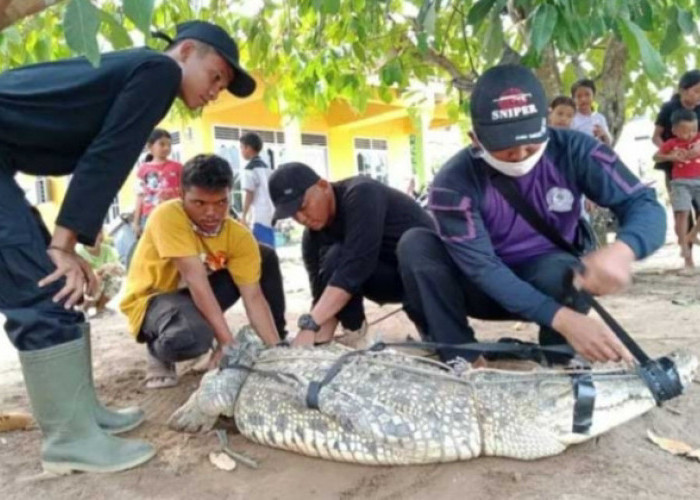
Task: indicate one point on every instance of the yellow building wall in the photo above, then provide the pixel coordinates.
(380, 121)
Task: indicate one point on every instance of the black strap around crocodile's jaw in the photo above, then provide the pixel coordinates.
(584, 402)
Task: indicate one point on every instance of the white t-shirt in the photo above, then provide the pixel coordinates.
(255, 176)
(585, 123)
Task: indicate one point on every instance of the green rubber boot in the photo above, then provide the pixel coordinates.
(112, 421)
(59, 389)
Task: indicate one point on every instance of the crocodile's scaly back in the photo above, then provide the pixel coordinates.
(372, 412)
(391, 408)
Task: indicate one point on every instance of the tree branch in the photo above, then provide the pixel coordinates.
(460, 79)
(12, 11)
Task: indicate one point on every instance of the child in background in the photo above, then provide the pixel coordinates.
(158, 178)
(587, 120)
(683, 149)
(561, 112)
(254, 182)
(104, 261)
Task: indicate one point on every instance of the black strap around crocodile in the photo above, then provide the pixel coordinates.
(660, 375)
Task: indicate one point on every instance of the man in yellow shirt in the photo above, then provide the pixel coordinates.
(192, 263)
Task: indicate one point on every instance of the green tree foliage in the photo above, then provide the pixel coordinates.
(310, 52)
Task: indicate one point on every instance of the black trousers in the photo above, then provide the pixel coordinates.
(383, 286)
(34, 321)
(439, 298)
(175, 330)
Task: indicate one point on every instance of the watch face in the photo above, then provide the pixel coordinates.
(306, 322)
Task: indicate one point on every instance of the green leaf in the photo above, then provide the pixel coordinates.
(597, 26)
(426, 16)
(479, 11)
(391, 72)
(327, 6)
(685, 21)
(672, 38)
(493, 39)
(542, 26)
(42, 49)
(140, 12)
(531, 59)
(582, 9)
(114, 31)
(422, 43)
(80, 23)
(642, 14)
(634, 37)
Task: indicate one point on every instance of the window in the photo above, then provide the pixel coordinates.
(372, 158)
(314, 150)
(176, 151)
(113, 211)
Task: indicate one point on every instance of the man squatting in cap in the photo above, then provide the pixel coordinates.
(349, 246)
(487, 262)
(67, 117)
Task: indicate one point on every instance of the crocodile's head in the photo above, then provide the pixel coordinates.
(686, 365)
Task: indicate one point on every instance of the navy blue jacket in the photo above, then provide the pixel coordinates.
(484, 235)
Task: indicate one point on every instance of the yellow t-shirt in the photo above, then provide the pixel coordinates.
(169, 234)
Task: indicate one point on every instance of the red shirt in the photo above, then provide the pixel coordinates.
(158, 182)
(683, 169)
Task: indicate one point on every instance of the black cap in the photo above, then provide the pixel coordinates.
(509, 108)
(242, 84)
(288, 185)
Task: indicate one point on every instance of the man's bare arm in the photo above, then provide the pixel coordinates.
(259, 314)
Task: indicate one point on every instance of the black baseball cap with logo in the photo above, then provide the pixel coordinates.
(242, 84)
(509, 108)
(288, 185)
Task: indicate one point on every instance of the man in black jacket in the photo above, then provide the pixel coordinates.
(67, 117)
(349, 246)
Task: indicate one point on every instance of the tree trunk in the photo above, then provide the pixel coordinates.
(611, 86)
(548, 73)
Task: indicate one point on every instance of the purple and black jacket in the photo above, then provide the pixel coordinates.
(484, 235)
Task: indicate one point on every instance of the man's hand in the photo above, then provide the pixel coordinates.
(304, 337)
(79, 276)
(608, 270)
(136, 228)
(589, 337)
(216, 356)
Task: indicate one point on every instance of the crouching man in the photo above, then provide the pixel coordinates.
(348, 247)
(487, 262)
(191, 264)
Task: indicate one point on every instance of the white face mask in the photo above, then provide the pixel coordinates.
(514, 169)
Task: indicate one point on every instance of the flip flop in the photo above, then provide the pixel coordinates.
(160, 375)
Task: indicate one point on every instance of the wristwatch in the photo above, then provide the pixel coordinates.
(306, 322)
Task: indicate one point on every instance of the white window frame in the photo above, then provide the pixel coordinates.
(375, 149)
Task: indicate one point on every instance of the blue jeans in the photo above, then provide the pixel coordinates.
(439, 298)
(34, 321)
(264, 234)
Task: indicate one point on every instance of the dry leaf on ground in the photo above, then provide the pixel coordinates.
(222, 461)
(15, 421)
(674, 447)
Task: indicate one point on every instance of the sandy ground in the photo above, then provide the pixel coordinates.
(661, 310)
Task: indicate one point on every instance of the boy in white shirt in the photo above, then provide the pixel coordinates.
(254, 182)
(586, 120)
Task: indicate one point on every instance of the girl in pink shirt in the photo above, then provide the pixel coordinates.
(158, 178)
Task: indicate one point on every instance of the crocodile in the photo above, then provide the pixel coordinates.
(393, 408)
